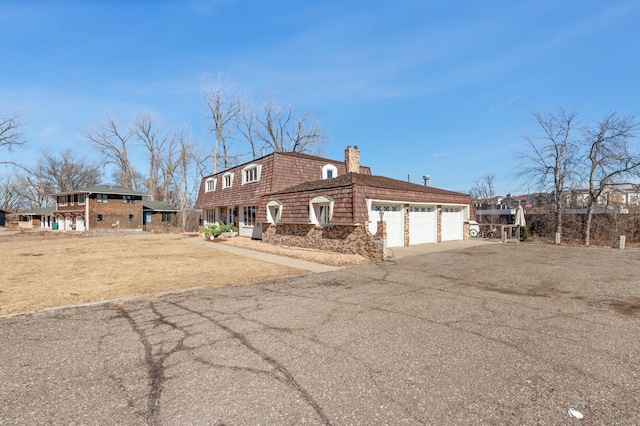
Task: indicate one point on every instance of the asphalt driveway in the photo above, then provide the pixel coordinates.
(495, 334)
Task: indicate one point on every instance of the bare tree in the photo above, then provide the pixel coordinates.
(186, 185)
(281, 130)
(484, 187)
(65, 172)
(611, 158)
(113, 143)
(55, 173)
(246, 127)
(223, 107)
(550, 158)
(170, 163)
(148, 133)
(10, 199)
(10, 133)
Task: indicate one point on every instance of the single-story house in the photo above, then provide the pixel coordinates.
(159, 216)
(38, 218)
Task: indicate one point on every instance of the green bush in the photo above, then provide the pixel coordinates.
(524, 233)
(216, 230)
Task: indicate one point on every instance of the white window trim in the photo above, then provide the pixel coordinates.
(328, 167)
(211, 216)
(224, 180)
(84, 199)
(257, 167)
(206, 184)
(65, 200)
(245, 210)
(270, 218)
(314, 203)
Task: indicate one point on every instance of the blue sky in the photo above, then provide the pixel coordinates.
(422, 87)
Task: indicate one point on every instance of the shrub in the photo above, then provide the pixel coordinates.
(216, 230)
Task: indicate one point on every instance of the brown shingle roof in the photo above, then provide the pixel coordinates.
(369, 181)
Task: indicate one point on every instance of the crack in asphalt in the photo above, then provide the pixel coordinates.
(452, 324)
(289, 379)
(371, 373)
(155, 366)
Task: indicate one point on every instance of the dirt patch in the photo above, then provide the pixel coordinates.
(45, 269)
(311, 255)
(630, 307)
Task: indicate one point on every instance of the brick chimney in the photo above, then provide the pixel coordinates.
(352, 159)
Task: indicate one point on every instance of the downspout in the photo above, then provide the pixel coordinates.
(86, 212)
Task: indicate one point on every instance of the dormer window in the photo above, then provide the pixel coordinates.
(210, 185)
(251, 173)
(274, 211)
(329, 171)
(320, 210)
(227, 180)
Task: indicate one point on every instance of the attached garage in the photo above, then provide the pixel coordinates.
(452, 223)
(423, 224)
(393, 215)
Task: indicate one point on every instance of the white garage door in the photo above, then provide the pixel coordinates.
(423, 225)
(395, 222)
(452, 227)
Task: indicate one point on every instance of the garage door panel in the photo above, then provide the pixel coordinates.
(452, 227)
(423, 225)
(393, 215)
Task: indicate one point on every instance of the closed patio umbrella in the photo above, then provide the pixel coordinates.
(520, 220)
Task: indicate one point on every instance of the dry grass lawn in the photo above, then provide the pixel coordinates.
(47, 269)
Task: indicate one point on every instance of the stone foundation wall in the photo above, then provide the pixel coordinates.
(337, 238)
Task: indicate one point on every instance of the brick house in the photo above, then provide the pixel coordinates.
(159, 216)
(233, 195)
(102, 207)
(348, 210)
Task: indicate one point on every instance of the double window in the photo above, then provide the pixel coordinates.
(62, 200)
(210, 185)
(127, 199)
(251, 173)
(249, 215)
(101, 198)
(209, 216)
